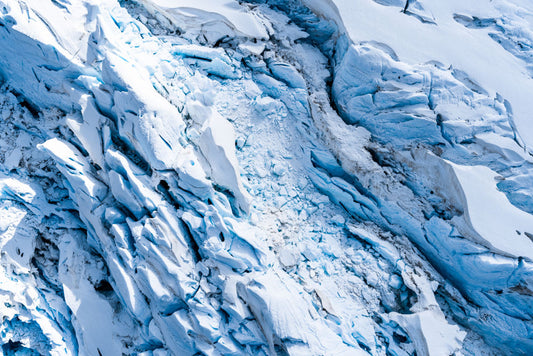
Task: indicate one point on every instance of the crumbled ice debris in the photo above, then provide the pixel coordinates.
(266, 177)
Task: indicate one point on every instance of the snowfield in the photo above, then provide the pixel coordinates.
(266, 177)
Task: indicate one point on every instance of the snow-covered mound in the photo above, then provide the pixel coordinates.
(279, 177)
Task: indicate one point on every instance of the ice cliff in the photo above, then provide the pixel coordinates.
(276, 177)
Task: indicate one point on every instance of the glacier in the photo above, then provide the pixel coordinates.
(266, 177)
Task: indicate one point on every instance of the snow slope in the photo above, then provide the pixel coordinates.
(266, 177)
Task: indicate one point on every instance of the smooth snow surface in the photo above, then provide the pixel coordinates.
(231, 12)
(504, 226)
(266, 177)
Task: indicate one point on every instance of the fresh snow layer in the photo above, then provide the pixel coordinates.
(451, 43)
(272, 177)
(231, 12)
(504, 226)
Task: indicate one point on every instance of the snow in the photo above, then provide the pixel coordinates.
(94, 317)
(448, 42)
(224, 177)
(231, 11)
(432, 338)
(217, 143)
(504, 226)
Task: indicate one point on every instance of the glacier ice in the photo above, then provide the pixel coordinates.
(266, 177)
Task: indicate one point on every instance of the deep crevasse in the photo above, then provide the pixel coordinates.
(177, 182)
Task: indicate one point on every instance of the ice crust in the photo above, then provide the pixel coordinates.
(265, 177)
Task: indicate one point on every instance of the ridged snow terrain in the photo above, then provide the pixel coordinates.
(276, 177)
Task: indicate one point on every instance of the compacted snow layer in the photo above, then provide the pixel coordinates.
(175, 178)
